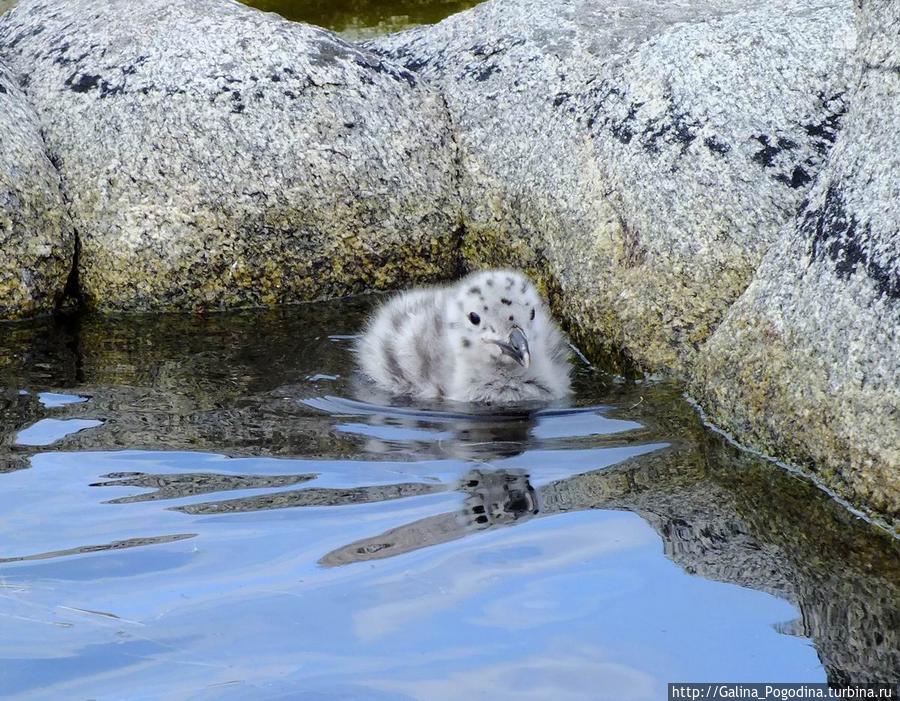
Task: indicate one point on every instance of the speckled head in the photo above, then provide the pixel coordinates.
(495, 317)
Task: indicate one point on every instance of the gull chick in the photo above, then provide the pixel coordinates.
(487, 338)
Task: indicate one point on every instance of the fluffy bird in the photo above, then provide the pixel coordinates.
(487, 338)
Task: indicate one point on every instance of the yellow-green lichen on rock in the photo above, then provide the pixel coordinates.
(36, 241)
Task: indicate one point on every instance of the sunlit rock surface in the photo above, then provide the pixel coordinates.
(640, 156)
(807, 363)
(215, 156)
(36, 241)
(644, 159)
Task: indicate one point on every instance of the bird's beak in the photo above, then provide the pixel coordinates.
(516, 348)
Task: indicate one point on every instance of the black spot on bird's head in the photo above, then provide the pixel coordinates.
(512, 317)
(532, 313)
(466, 343)
(505, 301)
(474, 318)
(490, 282)
(474, 290)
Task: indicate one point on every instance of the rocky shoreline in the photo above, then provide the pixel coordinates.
(710, 188)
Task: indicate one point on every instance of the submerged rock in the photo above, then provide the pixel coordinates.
(216, 156)
(639, 156)
(36, 242)
(807, 363)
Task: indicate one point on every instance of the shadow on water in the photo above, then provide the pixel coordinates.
(199, 430)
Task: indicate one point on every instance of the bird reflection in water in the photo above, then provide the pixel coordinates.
(497, 498)
(493, 498)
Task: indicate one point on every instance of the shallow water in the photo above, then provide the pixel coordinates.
(200, 508)
(362, 19)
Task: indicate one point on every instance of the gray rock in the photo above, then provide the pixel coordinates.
(643, 158)
(807, 363)
(639, 156)
(36, 242)
(216, 156)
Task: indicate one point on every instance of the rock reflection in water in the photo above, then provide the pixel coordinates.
(722, 515)
(313, 497)
(87, 549)
(191, 484)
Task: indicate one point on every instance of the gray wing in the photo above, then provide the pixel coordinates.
(402, 347)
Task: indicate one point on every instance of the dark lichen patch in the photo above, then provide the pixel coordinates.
(716, 146)
(486, 72)
(82, 82)
(86, 82)
(623, 130)
(675, 128)
(771, 155)
(797, 179)
(771, 149)
(837, 235)
(401, 74)
(824, 132)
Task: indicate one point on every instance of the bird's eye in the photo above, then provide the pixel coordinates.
(474, 318)
(532, 313)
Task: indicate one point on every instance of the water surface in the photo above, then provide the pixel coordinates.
(205, 508)
(363, 19)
